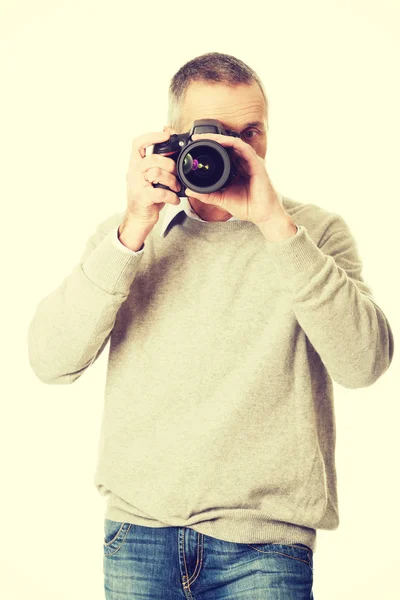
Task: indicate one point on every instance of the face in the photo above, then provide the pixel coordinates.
(235, 108)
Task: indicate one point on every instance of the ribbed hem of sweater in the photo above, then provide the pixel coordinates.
(246, 527)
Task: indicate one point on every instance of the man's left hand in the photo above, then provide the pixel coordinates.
(249, 198)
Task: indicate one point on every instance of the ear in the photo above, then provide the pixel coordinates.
(169, 130)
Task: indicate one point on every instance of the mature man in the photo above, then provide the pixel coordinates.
(228, 319)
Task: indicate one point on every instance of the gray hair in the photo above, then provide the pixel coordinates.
(213, 67)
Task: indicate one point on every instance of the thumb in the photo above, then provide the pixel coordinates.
(206, 198)
(190, 192)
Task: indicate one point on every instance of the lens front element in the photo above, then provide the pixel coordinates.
(204, 165)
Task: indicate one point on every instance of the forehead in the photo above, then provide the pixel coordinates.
(234, 106)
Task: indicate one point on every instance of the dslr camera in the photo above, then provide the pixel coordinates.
(203, 165)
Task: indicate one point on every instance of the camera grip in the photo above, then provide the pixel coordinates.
(165, 187)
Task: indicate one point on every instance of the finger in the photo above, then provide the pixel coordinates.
(140, 144)
(157, 161)
(246, 152)
(156, 175)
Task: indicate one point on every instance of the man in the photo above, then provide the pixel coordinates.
(228, 321)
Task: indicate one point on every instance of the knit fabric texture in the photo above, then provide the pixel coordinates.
(218, 412)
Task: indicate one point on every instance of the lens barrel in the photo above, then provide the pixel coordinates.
(204, 166)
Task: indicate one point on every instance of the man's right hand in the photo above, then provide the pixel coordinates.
(144, 202)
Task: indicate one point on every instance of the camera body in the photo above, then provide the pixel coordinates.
(204, 166)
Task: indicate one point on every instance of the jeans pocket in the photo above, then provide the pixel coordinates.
(115, 533)
(307, 552)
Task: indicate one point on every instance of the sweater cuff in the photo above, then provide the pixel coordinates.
(110, 268)
(296, 258)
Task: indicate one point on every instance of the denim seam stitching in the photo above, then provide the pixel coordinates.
(283, 554)
(106, 546)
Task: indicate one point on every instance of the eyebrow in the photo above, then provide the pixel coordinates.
(253, 124)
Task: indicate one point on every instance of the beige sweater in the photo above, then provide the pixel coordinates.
(218, 411)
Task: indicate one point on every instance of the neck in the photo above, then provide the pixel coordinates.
(207, 212)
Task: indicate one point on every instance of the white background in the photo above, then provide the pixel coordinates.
(80, 80)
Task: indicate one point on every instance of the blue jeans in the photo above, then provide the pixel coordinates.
(178, 563)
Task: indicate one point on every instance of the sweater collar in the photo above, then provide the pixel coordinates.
(172, 210)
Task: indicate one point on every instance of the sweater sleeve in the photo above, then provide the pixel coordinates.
(72, 325)
(122, 248)
(333, 304)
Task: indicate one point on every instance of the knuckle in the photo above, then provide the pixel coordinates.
(140, 141)
(164, 162)
(156, 161)
(168, 163)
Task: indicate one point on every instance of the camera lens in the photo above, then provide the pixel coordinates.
(203, 166)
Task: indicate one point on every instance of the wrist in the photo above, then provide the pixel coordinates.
(278, 229)
(132, 236)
